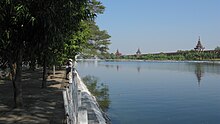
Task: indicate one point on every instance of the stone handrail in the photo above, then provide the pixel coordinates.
(80, 105)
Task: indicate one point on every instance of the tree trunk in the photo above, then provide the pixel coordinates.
(32, 65)
(60, 67)
(44, 73)
(54, 69)
(13, 72)
(19, 98)
(16, 70)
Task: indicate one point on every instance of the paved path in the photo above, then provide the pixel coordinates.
(41, 106)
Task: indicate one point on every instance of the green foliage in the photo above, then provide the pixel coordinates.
(15, 20)
(100, 91)
(55, 29)
(178, 56)
(98, 42)
(77, 41)
(89, 40)
(96, 7)
(217, 48)
(110, 56)
(43, 31)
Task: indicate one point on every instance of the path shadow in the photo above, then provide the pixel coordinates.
(41, 106)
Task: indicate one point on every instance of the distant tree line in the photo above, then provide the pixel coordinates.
(178, 56)
(47, 32)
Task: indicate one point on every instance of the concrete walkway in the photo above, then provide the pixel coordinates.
(41, 106)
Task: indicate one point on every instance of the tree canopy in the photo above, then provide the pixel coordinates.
(217, 48)
(98, 41)
(46, 32)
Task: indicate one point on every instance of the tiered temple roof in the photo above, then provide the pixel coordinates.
(199, 46)
(138, 52)
(118, 53)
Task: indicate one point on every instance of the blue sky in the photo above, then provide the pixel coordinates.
(160, 25)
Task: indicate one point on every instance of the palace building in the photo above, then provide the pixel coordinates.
(118, 53)
(199, 46)
(138, 52)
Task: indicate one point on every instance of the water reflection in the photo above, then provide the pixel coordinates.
(99, 90)
(199, 71)
(88, 63)
(138, 69)
(169, 90)
(198, 68)
(117, 68)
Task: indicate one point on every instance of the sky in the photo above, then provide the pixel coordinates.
(160, 25)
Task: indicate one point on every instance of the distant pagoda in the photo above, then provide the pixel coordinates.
(199, 46)
(138, 52)
(118, 53)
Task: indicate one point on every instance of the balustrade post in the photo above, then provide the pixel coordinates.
(82, 116)
(79, 98)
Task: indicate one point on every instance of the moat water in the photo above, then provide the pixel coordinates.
(159, 92)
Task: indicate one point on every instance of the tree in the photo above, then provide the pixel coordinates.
(217, 48)
(77, 41)
(96, 7)
(98, 42)
(41, 26)
(14, 19)
(57, 20)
